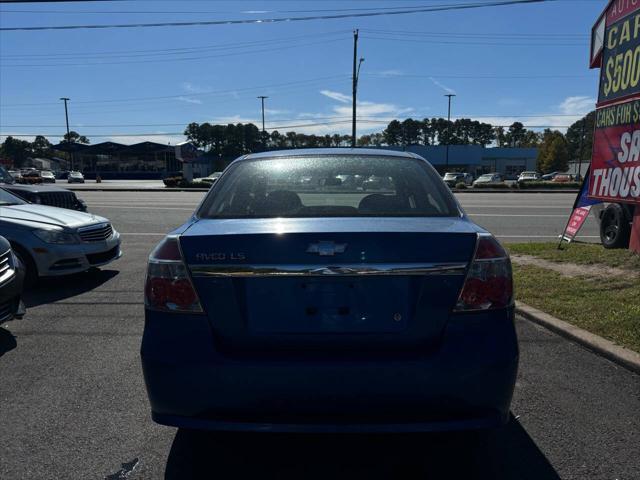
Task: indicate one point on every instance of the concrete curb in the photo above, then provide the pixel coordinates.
(617, 354)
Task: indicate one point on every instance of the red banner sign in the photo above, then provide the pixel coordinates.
(615, 161)
(578, 217)
(620, 9)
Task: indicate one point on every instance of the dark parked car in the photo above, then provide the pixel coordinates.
(32, 177)
(11, 283)
(42, 194)
(281, 306)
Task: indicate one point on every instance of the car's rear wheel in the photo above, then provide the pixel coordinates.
(31, 270)
(615, 230)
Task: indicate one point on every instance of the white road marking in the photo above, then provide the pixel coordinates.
(566, 207)
(142, 208)
(543, 236)
(512, 215)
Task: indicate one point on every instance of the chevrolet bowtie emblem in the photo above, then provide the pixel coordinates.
(326, 249)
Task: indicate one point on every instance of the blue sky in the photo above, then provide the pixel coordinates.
(503, 64)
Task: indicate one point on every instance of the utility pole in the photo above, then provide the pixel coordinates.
(264, 135)
(66, 116)
(356, 74)
(449, 95)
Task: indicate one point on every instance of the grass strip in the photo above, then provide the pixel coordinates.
(609, 307)
(580, 253)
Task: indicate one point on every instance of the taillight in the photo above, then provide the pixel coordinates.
(489, 283)
(168, 286)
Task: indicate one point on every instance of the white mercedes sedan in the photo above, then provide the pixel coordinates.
(53, 241)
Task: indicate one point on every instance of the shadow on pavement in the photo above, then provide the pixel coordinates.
(508, 453)
(54, 289)
(7, 341)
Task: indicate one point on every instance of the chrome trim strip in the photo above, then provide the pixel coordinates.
(343, 270)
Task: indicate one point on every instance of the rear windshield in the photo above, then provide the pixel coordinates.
(329, 186)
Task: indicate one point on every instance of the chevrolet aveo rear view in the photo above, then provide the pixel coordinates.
(296, 299)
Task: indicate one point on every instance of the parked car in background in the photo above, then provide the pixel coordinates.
(52, 241)
(12, 274)
(564, 178)
(75, 177)
(549, 176)
(453, 178)
(42, 194)
(32, 177)
(287, 307)
(529, 177)
(488, 179)
(211, 179)
(47, 176)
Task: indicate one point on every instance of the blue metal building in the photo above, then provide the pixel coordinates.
(476, 159)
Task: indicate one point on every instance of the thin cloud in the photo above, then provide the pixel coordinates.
(578, 105)
(442, 86)
(339, 97)
(189, 87)
(195, 101)
(389, 73)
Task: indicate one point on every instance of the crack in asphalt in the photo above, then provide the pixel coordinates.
(126, 469)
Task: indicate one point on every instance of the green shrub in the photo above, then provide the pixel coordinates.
(491, 185)
(461, 185)
(186, 184)
(548, 185)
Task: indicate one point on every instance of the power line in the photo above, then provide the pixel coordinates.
(196, 94)
(465, 6)
(475, 43)
(477, 76)
(338, 117)
(177, 50)
(477, 34)
(160, 60)
(129, 100)
(183, 12)
(276, 127)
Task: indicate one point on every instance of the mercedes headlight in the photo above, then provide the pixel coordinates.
(55, 236)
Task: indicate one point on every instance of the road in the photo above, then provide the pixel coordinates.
(73, 404)
(513, 217)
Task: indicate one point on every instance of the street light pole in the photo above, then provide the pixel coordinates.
(449, 95)
(66, 116)
(264, 139)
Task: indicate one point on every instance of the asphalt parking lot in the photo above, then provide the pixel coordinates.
(73, 404)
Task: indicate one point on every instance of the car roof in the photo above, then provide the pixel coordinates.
(300, 152)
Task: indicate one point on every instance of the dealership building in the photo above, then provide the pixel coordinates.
(150, 160)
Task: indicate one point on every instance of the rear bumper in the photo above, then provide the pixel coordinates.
(465, 383)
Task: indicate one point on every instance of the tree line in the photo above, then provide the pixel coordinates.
(555, 149)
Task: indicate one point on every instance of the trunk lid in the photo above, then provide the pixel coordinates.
(367, 283)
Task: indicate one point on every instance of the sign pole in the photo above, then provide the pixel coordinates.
(634, 242)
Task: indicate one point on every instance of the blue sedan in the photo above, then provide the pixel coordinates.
(297, 300)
